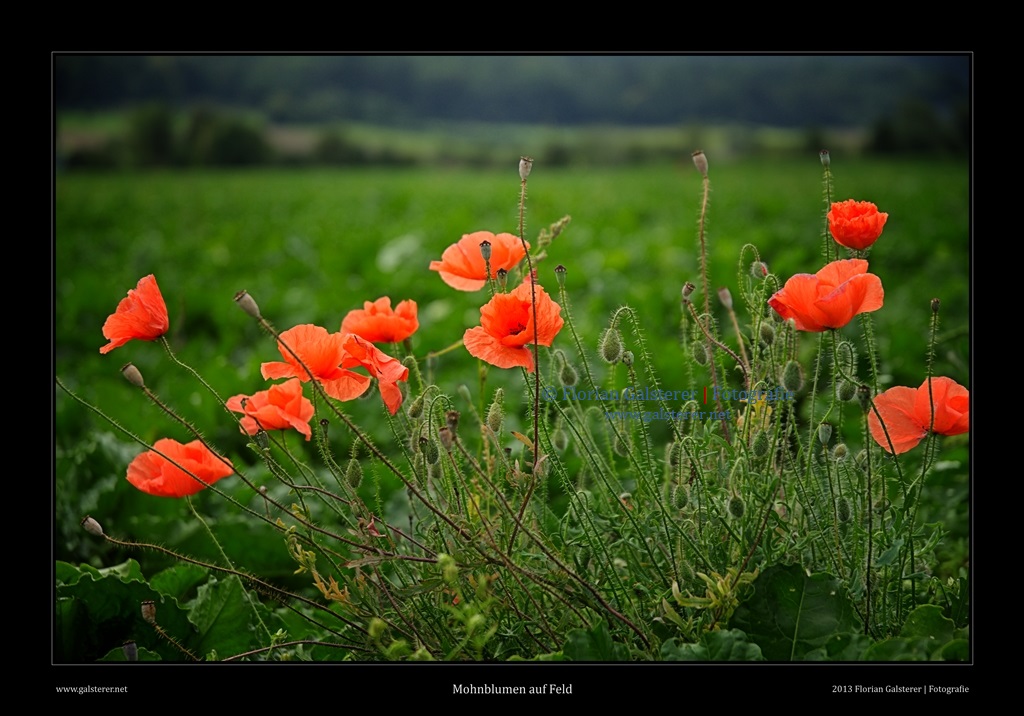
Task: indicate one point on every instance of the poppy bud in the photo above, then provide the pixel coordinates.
(485, 249)
(935, 305)
(495, 413)
(130, 650)
(431, 452)
(446, 438)
(354, 473)
(627, 358)
(759, 269)
(92, 526)
(847, 390)
(679, 496)
(560, 275)
(761, 444)
(149, 611)
(611, 345)
(862, 459)
(568, 375)
(673, 454)
(844, 510)
(688, 289)
(247, 304)
(132, 375)
(375, 629)
(824, 433)
(840, 451)
(725, 297)
(701, 162)
(767, 333)
(736, 506)
(700, 353)
(525, 166)
(792, 376)
(416, 408)
(560, 440)
(825, 159)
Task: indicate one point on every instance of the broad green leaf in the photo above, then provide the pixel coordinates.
(728, 645)
(956, 650)
(788, 614)
(890, 554)
(927, 621)
(178, 581)
(224, 617)
(594, 645)
(841, 647)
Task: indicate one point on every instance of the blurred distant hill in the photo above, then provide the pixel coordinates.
(407, 91)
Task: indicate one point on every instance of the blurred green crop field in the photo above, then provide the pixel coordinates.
(311, 245)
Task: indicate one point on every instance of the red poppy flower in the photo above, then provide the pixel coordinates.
(281, 407)
(142, 315)
(462, 265)
(387, 370)
(377, 322)
(907, 413)
(831, 297)
(156, 475)
(323, 353)
(855, 224)
(506, 328)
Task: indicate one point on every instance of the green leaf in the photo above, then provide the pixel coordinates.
(727, 645)
(956, 650)
(594, 645)
(178, 581)
(927, 621)
(886, 558)
(224, 617)
(789, 614)
(841, 647)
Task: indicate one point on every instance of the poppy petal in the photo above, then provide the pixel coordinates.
(897, 408)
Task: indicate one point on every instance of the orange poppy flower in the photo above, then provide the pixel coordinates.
(156, 475)
(377, 322)
(907, 413)
(506, 328)
(831, 297)
(281, 407)
(142, 315)
(387, 370)
(855, 224)
(323, 353)
(462, 265)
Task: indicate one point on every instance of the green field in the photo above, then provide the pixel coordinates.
(311, 245)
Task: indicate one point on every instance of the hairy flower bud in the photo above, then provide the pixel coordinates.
(679, 496)
(792, 376)
(759, 269)
(431, 453)
(761, 444)
(700, 353)
(611, 345)
(354, 473)
(737, 506)
(844, 510)
(840, 451)
(767, 333)
(247, 304)
(496, 412)
(627, 358)
(568, 375)
(560, 440)
(847, 390)
(824, 433)
(416, 408)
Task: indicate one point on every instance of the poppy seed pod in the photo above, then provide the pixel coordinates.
(130, 650)
(525, 167)
(247, 304)
(825, 159)
(451, 418)
(725, 297)
(446, 437)
(560, 275)
(688, 289)
(701, 162)
(148, 609)
(935, 305)
(485, 250)
(132, 375)
(824, 433)
(92, 526)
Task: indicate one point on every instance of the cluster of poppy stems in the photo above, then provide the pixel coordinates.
(509, 324)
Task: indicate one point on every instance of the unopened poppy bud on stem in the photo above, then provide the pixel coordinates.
(132, 375)
(247, 304)
(525, 166)
(92, 526)
(701, 162)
